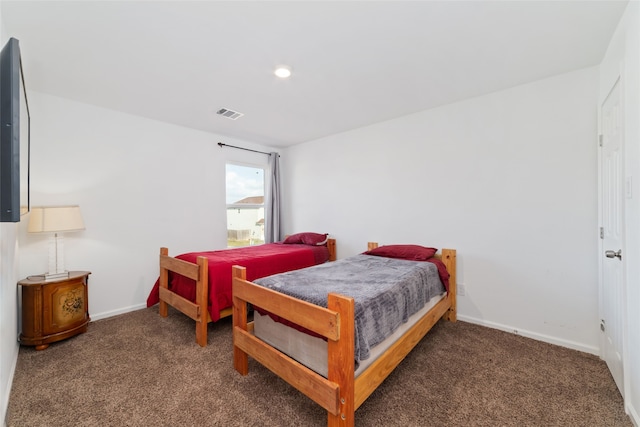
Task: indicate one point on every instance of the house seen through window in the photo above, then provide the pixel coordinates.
(245, 205)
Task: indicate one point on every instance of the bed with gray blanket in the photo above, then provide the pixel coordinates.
(386, 293)
(352, 306)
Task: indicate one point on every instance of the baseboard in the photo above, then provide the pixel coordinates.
(633, 414)
(112, 313)
(533, 335)
(7, 394)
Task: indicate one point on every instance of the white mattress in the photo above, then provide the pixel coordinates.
(312, 351)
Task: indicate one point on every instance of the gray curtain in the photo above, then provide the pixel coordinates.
(272, 204)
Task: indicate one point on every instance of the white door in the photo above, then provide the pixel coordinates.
(612, 216)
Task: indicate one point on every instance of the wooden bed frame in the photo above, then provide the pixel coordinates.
(199, 272)
(340, 393)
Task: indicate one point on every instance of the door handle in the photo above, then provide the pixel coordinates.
(614, 254)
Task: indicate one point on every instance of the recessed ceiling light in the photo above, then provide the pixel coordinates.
(283, 71)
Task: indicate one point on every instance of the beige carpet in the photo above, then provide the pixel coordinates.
(139, 369)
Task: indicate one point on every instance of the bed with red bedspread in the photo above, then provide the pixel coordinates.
(199, 283)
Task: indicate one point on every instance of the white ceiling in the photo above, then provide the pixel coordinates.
(354, 63)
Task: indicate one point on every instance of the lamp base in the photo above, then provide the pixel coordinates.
(56, 276)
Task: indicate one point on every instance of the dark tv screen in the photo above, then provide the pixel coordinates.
(14, 136)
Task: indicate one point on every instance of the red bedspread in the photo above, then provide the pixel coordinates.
(262, 260)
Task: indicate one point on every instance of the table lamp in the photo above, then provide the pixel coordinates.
(55, 219)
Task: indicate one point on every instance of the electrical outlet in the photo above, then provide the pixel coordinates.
(460, 289)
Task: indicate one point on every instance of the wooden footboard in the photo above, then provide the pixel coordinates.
(199, 272)
(340, 393)
(196, 311)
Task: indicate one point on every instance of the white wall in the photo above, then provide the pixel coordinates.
(623, 60)
(140, 184)
(8, 310)
(508, 179)
(8, 300)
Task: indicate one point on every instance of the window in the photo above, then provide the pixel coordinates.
(245, 205)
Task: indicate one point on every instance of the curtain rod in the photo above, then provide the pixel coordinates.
(220, 144)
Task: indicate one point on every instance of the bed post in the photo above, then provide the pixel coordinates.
(341, 355)
(449, 260)
(202, 299)
(240, 358)
(331, 246)
(164, 283)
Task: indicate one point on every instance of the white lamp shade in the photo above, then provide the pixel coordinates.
(51, 219)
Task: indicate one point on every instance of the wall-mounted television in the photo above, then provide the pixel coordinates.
(15, 144)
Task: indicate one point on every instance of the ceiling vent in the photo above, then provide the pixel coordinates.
(229, 114)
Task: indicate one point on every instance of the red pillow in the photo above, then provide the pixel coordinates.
(410, 252)
(313, 239)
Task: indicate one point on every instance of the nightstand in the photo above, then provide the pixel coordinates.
(54, 310)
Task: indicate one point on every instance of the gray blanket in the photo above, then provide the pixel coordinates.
(386, 292)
